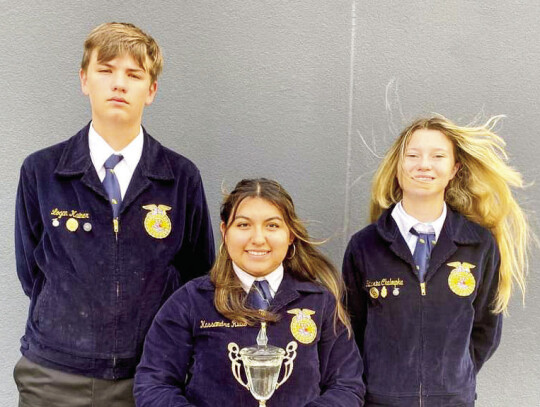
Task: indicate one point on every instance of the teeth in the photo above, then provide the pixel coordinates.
(253, 253)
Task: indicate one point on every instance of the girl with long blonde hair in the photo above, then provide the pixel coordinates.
(429, 280)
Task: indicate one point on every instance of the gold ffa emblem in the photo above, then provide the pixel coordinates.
(157, 223)
(461, 281)
(303, 328)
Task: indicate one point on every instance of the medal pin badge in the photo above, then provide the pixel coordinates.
(72, 224)
(374, 292)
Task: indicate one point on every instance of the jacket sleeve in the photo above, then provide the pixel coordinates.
(487, 326)
(161, 374)
(197, 253)
(356, 300)
(28, 230)
(340, 366)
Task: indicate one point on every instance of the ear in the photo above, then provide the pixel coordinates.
(84, 79)
(222, 229)
(457, 166)
(151, 94)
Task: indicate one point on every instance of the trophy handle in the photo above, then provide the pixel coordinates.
(236, 366)
(288, 361)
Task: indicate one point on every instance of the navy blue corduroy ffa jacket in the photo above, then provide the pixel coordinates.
(93, 292)
(190, 338)
(423, 346)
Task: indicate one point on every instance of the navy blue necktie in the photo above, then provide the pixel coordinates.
(111, 183)
(422, 252)
(259, 296)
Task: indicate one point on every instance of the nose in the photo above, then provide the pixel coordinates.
(425, 163)
(258, 238)
(119, 83)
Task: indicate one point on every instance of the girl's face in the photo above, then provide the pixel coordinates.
(257, 239)
(427, 166)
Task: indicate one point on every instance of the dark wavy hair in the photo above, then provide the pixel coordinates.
(304, 261)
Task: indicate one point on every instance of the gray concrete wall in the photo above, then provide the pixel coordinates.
(308, 92)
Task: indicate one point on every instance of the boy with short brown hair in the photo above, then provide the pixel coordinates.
(108, 224)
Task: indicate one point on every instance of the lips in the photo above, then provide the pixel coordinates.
(118, 100)
(423, 178)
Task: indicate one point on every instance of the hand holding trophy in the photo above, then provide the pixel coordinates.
(262, 364)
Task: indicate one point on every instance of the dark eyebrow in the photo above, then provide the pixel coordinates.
(274, 218)
(266, 220)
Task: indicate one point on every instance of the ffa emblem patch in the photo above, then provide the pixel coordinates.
(461, 281)
(303, 328)
(157, 223)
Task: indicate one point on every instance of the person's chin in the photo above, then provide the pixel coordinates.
(119, 116)
(424, 192)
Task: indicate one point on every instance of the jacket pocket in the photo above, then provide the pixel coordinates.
(65, 319)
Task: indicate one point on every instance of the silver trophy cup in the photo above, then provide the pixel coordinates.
(262, 364)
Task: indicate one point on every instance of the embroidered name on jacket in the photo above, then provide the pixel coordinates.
(221, 324)
(383, 282)
(59, 214)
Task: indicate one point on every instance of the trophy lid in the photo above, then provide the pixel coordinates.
(262, 349)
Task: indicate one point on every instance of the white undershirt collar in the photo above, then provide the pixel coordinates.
(274, 278)
(100, 150)
(405, 222)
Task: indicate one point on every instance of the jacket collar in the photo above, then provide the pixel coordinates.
(288, 283)
(289, 290)
(456, 227)
(457, 230)
(75, 159)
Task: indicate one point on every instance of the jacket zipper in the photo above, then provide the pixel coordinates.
(423, 294)
(116, 228)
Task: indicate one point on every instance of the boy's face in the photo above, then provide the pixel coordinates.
(118, 89)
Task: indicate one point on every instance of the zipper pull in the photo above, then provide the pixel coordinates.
(115, 227)
(423, 288)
